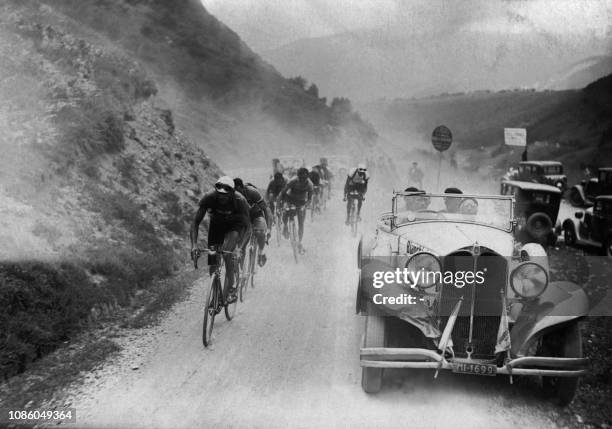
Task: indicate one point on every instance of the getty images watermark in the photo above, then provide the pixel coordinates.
(421, 279)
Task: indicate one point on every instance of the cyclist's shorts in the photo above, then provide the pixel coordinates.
(259, 224)
(220, 226)
(295, 202)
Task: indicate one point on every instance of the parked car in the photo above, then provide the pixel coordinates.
(536, 209)
(546, 172)
(516, 322)
(593, 227)
(584, 193)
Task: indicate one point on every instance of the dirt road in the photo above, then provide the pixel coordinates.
(288, 359)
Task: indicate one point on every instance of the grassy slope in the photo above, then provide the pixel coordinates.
(203, 66)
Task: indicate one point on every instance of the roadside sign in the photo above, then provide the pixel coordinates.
(515, 136)
(441, 138)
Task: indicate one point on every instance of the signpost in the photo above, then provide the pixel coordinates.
(515, 136)
(441, 138)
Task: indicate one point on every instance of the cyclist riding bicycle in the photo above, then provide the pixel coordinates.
(229, 227)
(326, 175)
(315, 177)
(260, 215)
(357, 180)
(275, 187)
(298, 192)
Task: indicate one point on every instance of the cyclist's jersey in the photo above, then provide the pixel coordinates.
(235, 210)
(325, 173)
(298, 191)
(275, 187)
(315, 178)
(356, 181)
(254, 199)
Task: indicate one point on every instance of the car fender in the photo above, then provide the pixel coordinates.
(561, 302)
(572, 223)
(536, 253)
(580, 190)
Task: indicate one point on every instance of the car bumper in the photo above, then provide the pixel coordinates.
(383, 357)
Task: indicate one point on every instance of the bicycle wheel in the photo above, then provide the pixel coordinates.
(253, 267)
(230, 308)
(294, 240)
(210, 310)
(243, 279)
(353, 217)
(278, 230)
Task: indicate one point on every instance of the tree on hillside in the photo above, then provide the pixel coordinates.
(341, 105)
(313, 90)
(298, 81)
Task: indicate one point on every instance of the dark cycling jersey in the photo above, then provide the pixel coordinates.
(315, 178)
(254, 199)
(233, 215)
(275, 187)
(298, 191)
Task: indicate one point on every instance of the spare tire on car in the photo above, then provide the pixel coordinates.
(539, 226)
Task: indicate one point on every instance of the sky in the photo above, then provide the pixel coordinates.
(268, 24)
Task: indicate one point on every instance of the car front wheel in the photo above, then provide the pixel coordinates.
(371, 378)
(566, 342)
(575, 198)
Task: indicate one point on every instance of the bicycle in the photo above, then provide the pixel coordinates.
(250, 267)
(292, 212)
(217, 299)
(315, 206)
(353, 198)
(278, 221)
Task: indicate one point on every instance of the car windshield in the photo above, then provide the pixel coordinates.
(554, 169)
(494, 211)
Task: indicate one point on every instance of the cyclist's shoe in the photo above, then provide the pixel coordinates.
(285, 232)
(261, 260)
(232, 296)
(301, 249)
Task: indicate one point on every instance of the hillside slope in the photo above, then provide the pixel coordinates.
(223, 95)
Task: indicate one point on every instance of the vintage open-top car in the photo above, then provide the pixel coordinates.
(546, 172)
(507, 317)
(536, 208)
(593, 227)
(585, 192)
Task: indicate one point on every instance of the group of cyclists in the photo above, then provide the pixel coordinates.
(239, 210)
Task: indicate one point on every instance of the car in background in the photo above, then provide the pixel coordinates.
(288, 165)
(546, 172)
(585, 192)
(593, 227)
(536, 209)
(515, 322)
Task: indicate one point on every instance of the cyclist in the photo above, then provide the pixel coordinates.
(326, 175)
(229, 228)
(416, 174)
(315, 177)
(356, 180)
(275, 187)
(298, 192)
(260, 215)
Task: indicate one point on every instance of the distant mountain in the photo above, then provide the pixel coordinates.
(582, 73)
(368, 64)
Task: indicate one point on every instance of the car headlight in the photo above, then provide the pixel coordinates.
(529, 280)
(429, 266)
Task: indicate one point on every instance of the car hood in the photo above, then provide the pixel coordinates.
(446, 237)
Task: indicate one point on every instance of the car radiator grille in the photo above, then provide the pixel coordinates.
(487, 302)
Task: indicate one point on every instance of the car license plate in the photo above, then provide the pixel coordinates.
(475, 368)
